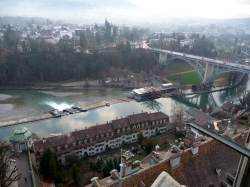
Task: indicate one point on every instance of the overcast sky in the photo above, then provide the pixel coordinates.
(125, 11)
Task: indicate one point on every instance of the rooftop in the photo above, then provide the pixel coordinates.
(20, 134)
(41, 145)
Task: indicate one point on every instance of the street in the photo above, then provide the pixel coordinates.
(22, 164)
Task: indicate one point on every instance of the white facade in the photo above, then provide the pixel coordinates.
(113, 143)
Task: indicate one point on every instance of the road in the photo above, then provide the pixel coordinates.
(22, 163)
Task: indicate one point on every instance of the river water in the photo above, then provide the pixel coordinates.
(19, 103)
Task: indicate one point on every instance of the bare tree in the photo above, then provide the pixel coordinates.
(177, 114)
(8, 170)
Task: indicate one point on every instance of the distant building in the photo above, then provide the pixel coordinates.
(187, 42)
(97, 139)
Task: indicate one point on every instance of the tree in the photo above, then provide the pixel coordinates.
(49, 167)
(10, 38)
(148, 146)
(177, 115)
(245, 101)
(75, 171)
(203, 47)
(8, 170)
(140, 138)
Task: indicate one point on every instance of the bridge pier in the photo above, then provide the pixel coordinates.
(163, 58)
(209, 73)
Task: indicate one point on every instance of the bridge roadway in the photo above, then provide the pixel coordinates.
(240, 67)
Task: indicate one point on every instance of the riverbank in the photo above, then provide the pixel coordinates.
(68, 86)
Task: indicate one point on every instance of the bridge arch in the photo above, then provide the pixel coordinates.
(200, 68)
(197, 66)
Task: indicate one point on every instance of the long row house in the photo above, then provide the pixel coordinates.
(99, 138)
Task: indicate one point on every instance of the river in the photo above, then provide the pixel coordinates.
(19, 103)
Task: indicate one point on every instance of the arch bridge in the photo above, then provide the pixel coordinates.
(207, 68)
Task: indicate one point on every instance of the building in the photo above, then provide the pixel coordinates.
(207, 163)
(20, 138)
(97, 139)
(145, 93)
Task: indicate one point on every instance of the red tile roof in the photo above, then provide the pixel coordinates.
(195, 171)
(138, 118)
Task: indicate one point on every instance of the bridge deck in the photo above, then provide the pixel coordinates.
(205, 59)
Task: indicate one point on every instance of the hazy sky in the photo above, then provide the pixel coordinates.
(126, 10)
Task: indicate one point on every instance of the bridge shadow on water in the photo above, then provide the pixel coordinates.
(208, 101)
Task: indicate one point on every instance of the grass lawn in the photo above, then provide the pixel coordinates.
(177, 66)
(182, 73)
(190, 77)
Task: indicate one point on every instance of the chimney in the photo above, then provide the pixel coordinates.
(122, 169)
(114, 174)
(44, 140)
(195, 149)
(175, 160)
(95, 182)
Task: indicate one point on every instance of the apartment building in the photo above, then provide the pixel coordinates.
(97, 139)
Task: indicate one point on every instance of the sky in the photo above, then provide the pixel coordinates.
(124, 11)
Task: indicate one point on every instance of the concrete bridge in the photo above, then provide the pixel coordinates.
(207, 68)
